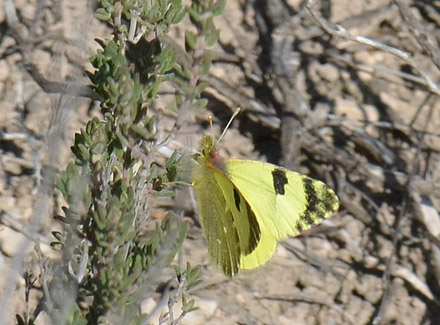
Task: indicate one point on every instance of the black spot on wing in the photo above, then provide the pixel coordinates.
(255, 232)
(254, 228)
(299, 226)
(309, 215)
(320, 202)
(237, 200)
(279, 181)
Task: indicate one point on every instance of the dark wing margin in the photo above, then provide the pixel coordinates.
(321, 201)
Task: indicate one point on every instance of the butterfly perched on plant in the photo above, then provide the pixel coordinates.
(247, 206)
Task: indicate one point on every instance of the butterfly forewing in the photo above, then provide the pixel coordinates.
(287, 204)
(284, 202)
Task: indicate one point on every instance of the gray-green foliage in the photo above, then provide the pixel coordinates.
(109, 264)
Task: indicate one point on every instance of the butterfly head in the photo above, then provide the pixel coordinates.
(207, 147)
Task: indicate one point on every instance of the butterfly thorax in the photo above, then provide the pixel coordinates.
(209, 153)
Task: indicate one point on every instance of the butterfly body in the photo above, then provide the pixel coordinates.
(247, 206)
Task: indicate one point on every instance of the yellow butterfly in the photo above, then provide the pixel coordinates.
(247, 206)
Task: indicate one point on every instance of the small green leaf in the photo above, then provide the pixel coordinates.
(189, 306)
(212, 38)
(191, 40)
(57, 246)
(218, 7)
(103, 14)
(58, 235)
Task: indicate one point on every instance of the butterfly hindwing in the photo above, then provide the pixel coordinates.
(231, 227)
(261, 254)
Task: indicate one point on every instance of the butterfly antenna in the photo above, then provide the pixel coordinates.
(229, 123)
